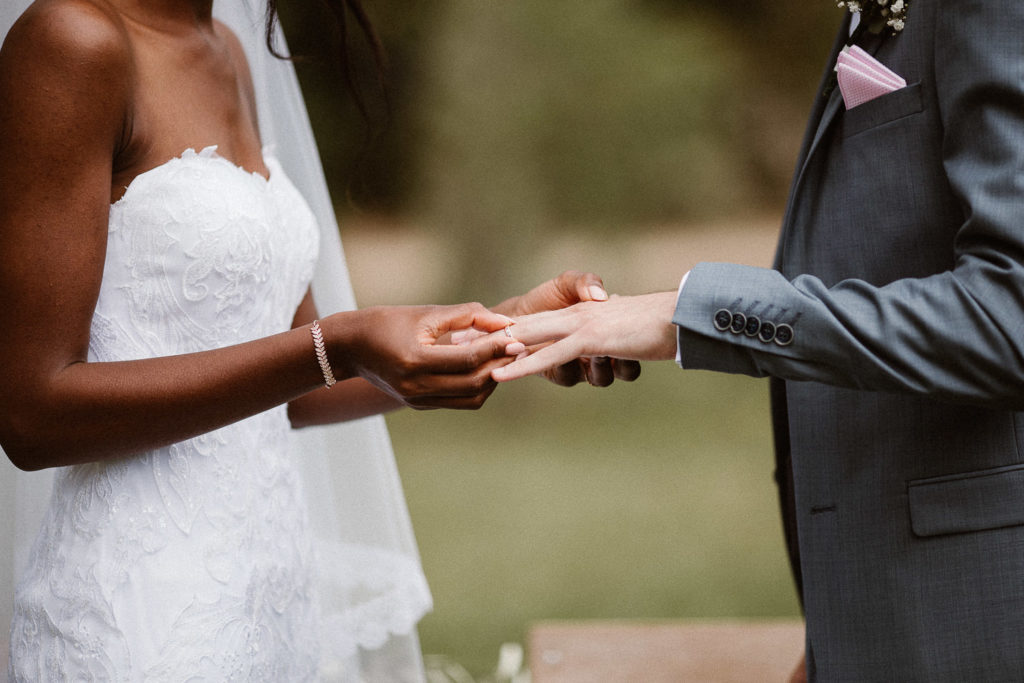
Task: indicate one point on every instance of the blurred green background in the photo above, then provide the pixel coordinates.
(628, 137)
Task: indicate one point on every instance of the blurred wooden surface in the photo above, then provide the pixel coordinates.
(710, 651)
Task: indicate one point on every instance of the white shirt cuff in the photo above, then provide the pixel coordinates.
(679, 350)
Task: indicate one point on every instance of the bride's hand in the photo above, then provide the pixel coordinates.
(396, 349)
(572, 287)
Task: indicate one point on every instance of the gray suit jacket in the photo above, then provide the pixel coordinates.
(900, 276)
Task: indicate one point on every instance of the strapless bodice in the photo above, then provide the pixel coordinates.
(193, 561)
(202, 254)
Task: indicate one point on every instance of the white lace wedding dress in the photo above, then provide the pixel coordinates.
(194, 561)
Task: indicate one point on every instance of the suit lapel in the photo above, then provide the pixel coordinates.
(821, 102)
(824, 114)
(824, 110)
(835, 103)
(869, 42)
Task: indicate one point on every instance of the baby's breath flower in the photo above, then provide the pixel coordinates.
(891, 13)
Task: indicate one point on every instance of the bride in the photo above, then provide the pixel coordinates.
(164, 227)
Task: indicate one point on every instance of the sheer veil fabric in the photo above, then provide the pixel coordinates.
(372, 589)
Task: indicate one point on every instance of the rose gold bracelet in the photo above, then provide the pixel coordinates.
(321, 354)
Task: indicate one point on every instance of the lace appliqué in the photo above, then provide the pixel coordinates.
(193, 561)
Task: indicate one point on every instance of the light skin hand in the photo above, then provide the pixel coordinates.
(634, 327)
(569, 288)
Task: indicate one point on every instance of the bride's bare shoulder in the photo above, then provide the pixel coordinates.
(75, 33)
(67, 77)
(237, 53)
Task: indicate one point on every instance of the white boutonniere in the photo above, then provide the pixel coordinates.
(879, 14)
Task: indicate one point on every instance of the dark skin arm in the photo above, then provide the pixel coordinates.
(455, 382)
(348, 400)
(358, 398)
(66, 81)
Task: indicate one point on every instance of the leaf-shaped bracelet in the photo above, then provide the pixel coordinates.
(321, 354)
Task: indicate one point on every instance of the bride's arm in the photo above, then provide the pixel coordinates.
(358, 398)
(347, 400)
(61, 124)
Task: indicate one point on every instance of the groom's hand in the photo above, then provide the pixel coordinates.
(638, 327)
(572, 287)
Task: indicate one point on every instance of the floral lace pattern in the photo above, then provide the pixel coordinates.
(195, 561)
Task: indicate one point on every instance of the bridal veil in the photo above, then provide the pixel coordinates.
(372, 589)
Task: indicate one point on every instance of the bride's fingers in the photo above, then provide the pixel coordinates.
(414, 390)
(461, 360)
(461, 392)
(460, 337)
(566, 375)
(471, 400)
(547, 358)
(626, 370)
(599, 371)
(463, 316)
(539, 328)
(449, 403)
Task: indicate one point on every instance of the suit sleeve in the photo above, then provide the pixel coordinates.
(956, 335)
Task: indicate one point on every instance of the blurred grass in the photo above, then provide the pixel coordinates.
(651, 500)
(620, 136)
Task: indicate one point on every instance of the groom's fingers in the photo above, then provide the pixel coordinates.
(465, 316)
(541, 328)
(468, 357)
(549, 357)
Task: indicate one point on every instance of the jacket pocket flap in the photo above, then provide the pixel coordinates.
(971, 501)
(889, 107)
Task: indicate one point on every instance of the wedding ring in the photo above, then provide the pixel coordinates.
(508, 331)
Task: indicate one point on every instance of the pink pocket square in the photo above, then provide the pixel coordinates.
(863, 78)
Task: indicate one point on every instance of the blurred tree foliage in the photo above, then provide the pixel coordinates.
(512, 120)
(369, 162)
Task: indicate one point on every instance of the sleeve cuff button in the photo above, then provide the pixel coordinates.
(783, 335)
(723, 319)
